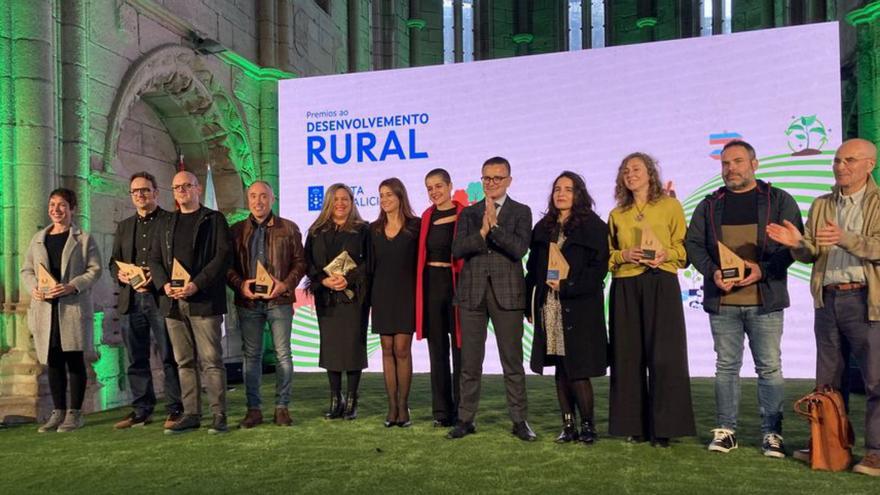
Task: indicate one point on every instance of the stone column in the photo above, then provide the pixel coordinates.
(269, 132)
(415, 24)
(285, 34)
(29, 167)
(354, 29)
(267, 33)
(867, 23)
(75, 168)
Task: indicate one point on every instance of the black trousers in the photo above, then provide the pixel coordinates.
(650, 385)
(143, 318)
(439, 327)
(508, 326)
(65, 368)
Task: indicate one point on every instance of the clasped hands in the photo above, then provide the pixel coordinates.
(181, 292)
(788, 234)
(490, 218)
(60, 290)
(124, 277)
(635, 255)
(335, 282)
(754, 275)
(278, 288)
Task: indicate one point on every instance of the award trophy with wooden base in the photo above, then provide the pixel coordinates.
(45, 280)
(733, 268)
(179, 276)
(264, 283)
(137, 277)
(650, 244)
(557, 266)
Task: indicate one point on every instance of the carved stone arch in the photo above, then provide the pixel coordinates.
(202, 120)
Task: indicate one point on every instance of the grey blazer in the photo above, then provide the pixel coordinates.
(81, 268)
(497, 257)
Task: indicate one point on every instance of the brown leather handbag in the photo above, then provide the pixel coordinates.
(831, 433)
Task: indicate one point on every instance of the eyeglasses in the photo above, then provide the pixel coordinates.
(848, 160)
(142, 191)
(183, 187)
(493, 180)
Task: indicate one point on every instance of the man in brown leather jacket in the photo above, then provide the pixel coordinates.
(274, 243)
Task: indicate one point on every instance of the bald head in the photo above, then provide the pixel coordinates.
(186, 191)
(860, 146)
(260, 198)
(853, 163)
(185, 176)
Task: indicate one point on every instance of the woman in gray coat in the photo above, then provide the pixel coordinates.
(60, 315)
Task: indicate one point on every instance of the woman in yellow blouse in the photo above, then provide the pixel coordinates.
(650, 387)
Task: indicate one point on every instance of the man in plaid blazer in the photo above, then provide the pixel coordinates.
(492, 237)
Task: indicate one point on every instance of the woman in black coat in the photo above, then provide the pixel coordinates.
(340, 298)
(569, 314)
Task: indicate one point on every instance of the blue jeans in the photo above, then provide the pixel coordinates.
(252, 322)
(729, 327)
(143, 318)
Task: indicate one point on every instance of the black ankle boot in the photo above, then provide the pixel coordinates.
(351, 406)
(588, 432)
(337, 407)
(569, 432)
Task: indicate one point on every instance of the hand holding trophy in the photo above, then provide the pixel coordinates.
(342, 264)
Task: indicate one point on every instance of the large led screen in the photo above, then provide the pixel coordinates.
(679, 101)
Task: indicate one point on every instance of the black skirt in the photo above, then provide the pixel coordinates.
(343, 332)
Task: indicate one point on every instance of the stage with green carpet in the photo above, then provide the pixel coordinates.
(361, 456)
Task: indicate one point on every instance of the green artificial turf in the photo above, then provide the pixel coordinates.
(329, 457)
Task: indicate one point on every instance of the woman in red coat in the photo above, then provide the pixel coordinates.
(436, 274)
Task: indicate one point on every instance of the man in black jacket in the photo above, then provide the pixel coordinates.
(139, 308)
(737, 215)
(198, 239)
(492, 238)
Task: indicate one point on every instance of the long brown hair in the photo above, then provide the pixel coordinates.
(325, 218)
(404, 210)
(581, 206)
(624, 196)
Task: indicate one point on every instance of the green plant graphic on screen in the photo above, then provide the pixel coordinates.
(806, 135)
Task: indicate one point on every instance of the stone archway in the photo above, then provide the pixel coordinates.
(203, 121)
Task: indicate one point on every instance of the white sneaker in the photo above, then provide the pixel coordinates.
(772, 446)
(55, 420)
(73, 421)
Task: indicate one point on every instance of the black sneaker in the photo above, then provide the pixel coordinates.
(186, 423)
(219, 425)
(461, 430)
(772, 446)
(724, 441)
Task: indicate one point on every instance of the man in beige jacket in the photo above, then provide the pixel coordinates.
(842, 240)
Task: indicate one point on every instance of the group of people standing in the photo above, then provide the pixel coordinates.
(445, 275)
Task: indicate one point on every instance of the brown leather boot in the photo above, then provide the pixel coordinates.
(282, 417)
(253, 418)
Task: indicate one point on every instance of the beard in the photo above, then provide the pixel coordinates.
(738, 183)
